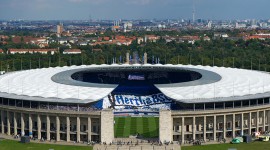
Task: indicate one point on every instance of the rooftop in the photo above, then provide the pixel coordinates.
(216, 84)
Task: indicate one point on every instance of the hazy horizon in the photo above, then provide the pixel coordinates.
(133, 9)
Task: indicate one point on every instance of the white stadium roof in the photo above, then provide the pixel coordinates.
(37, 84)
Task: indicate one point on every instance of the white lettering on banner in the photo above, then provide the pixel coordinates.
(139, 101)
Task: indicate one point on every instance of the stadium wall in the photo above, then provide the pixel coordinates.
(182, 126)
(215, 125)
(52, 124)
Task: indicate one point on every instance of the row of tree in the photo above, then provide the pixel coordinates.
(250, 54)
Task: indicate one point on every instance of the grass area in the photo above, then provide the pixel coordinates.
(242, 146)
(146, 126)
(15, 145)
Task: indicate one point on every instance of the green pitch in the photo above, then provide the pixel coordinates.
(148, 127)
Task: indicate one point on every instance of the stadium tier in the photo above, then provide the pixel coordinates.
(78, 103)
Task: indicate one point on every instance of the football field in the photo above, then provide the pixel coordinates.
(148, 127)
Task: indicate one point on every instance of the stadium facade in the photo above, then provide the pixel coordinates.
(78, 103)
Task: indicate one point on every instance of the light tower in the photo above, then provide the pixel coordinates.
(127, 58)
(145, 58)
(193, 12)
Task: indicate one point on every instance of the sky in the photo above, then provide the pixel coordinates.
(133, 9)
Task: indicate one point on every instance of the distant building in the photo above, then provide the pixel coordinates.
(31, 51)
(209, 25)
(60, 29)
(240, 25)
(127, 26)
(72, 51)
(116, 26)
(1, 51)
(151, 38)
(139, 40)
(220, 35)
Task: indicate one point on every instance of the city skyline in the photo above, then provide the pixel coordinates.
(132, 9)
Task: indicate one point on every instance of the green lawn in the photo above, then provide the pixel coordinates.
(15, 145)
(242, 146)
(146, 126)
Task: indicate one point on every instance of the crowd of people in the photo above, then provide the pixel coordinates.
(68, 108)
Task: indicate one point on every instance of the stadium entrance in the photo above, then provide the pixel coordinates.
(136, 127)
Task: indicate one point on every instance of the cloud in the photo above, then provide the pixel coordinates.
(138, 2)
(88, 1)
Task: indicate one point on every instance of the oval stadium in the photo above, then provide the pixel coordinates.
(80, 103)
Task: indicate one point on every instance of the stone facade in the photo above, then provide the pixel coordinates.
(51, 124)
(107, 126)
(165, 125)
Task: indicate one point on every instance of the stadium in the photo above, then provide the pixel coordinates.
(80, 103)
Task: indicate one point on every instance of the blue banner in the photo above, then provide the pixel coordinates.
(151, 101)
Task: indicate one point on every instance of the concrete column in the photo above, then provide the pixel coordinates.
(165, 126)
(89, 129)
(68, 129)
(204, 128)
(48, 130)
(242, 124)
(233, 125)
(22, 125)
(183, 130)
(15, 123)
(224, 127)
(194, 128)
(57, 128)
(249, 123)
(257, 121)
(78, 129)
(263, 117)
(8, 123)
(215, 128)
(38, 126)
(2, 122)
(30, 125)
(268, 119)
